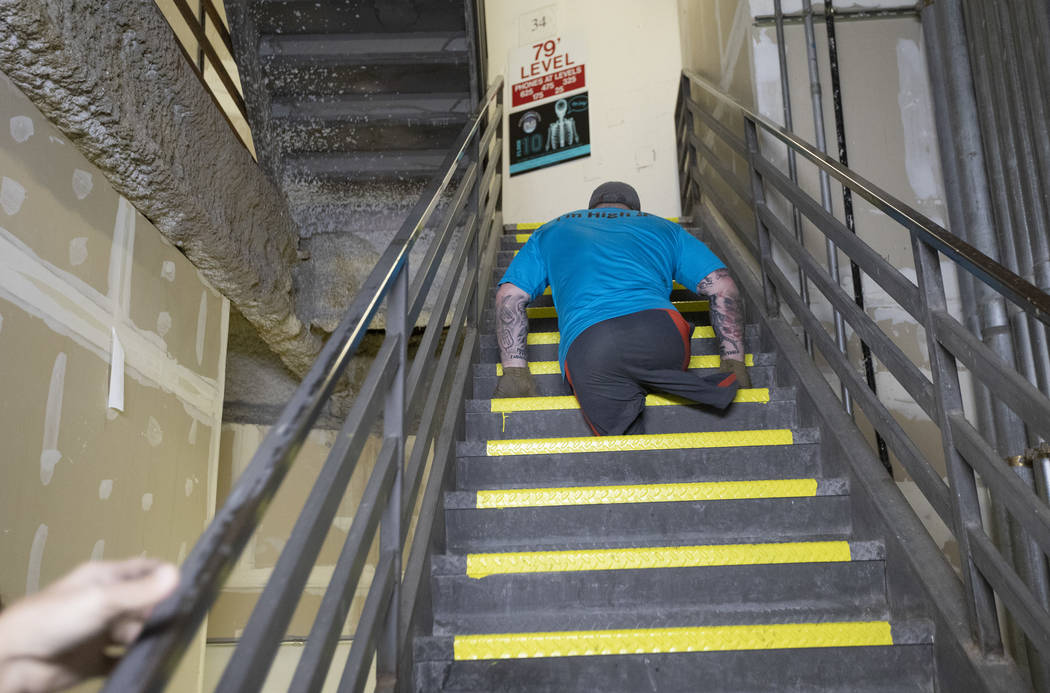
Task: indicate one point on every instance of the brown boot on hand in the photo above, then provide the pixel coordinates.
(516, 381)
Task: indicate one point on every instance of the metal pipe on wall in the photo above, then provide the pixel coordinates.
(825, 180)
(967, 185)
(847, 209)
(789, 124)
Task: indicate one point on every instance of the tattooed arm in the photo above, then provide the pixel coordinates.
(512, 325)
(726, 312)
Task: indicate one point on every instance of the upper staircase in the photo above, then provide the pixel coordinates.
(716, 552)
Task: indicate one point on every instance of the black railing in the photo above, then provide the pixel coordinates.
(430, 387)
(986, 573)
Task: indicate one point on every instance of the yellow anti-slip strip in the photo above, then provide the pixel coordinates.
(646, 493)
(481, 565)
(702, 332)
(522, 237)
(578, 643)
(702, 361)
(650, 441)
(682, 306)
(757, 395)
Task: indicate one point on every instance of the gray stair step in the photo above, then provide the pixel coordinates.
(296, 77)
(414, 48)
(365, 165)
(554, 384)
(366, 16)
(409, 109)
(634, 524)
(904, 668)
(476, 470)
(549, 352)
(779, 412)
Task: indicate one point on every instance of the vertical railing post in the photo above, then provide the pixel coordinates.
(387, 654)
(758, 199)
(966, 510)
(683, 130)
(476, 202)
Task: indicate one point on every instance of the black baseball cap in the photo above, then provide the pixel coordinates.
(615, 192)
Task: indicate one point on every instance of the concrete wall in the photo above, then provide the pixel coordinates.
(81, 480)
(891, 141)
(633, 64)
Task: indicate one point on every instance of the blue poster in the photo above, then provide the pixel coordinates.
(549, 134)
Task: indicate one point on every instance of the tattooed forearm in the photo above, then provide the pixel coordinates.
(512, 325)
(726, 312)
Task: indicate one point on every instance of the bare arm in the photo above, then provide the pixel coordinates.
(726, 314)
(512, 325)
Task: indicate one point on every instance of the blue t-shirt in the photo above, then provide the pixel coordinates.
(605, 263)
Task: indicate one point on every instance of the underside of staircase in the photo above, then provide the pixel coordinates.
(716, 552)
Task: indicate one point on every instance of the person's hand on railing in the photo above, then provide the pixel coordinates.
(516, 381)
(68, 632)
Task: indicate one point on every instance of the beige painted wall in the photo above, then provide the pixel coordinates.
(891, 139)
(77, 262)
(633, 66)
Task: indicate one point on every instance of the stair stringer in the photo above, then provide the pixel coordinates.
(920, 581)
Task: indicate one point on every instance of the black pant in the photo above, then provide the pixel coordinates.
(614, 363)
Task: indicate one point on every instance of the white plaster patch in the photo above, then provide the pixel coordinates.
(21, 128)
(98, 549)
(193, 432)
(917, 118)
(105, 488)
(111, 414)
(49, 453)
(189, 487)
(183, 550)
(167, 270)
(343, 523)
(154, 434)
(36, 556)
(56, 140)
(1, 323)
(202, 326)
(83, 182)
(147, 501)
(12, 196)
(163, 323)
(78, 251)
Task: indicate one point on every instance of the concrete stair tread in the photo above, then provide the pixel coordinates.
(365, 164)
(311, 16)
(362, 49)
(377, 108)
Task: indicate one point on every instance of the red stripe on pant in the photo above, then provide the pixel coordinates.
(683, 329)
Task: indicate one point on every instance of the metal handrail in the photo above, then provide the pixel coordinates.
(173, 624)
(987, 574)
(1023, 293)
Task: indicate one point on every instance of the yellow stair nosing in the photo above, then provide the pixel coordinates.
(699, 332)
(630, 443)
(695, 362)
(644, 493)
(507, 405)
(776, 636)
(481, 565)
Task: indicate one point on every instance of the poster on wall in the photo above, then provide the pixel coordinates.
(549, 122)
(550, 133)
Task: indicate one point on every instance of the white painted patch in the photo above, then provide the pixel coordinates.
(202, 326)
(167, 270)
(1, 323)
(21, 128)
(36, 556)
(154, 434)
(78, 251)
(83, 182)
(917, 117)
(163, 323)
(49, 453)
(98, 550)
(183, 550)
(147, 501)
(105, 488)
(193, 432)
(112, 414)
(56, 140)
(189, 487)
(343, 523)
(12, 196)
(768, 95)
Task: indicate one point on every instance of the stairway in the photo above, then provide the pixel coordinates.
(712, 553)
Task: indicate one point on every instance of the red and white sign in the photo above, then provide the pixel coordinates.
(546, 69)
